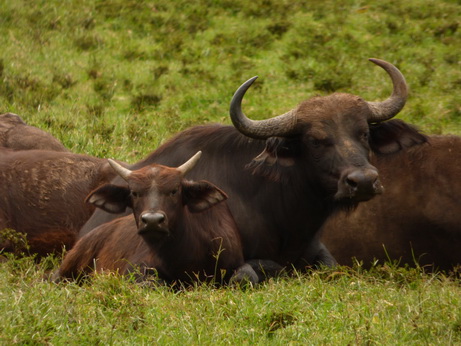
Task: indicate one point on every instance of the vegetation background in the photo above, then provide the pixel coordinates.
(115, 78)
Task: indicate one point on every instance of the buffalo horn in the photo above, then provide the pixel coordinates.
(121, 171)
(387, 109)
(281, 126)
(187, 166)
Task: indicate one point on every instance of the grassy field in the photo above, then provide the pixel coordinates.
(116, 78)
(343, 306)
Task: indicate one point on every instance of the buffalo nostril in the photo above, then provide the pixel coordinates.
(352, 183)
(153, 218)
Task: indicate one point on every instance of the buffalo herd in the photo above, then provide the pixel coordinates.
(334, 180)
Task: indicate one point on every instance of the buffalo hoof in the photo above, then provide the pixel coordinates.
(244, 276)
(254, 272)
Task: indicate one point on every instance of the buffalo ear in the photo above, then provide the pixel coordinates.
(278, 150)
(201, 195)
(394, 135)
(111, 198)
(279, 153)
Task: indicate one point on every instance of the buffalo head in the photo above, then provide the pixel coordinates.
(157, 194)
(332, 137)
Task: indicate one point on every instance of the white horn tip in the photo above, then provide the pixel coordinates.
(122, 171)
(187, 166)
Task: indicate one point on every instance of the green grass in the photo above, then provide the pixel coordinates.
(115, 78)
(387, 305)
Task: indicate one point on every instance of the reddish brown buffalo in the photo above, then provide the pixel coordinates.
(416, 220)
(16, 134)
(285, 176)
(42, 194)
(178, 227)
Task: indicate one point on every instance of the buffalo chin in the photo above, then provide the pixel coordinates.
(349, 204)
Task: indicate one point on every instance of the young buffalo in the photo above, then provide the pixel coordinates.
(178, 227)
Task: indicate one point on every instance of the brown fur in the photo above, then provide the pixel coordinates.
(203, 242)
(16, 134)
(42, 195)
(416, 220)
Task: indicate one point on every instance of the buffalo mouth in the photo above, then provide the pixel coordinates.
(153, 234)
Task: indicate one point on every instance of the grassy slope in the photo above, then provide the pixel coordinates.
(117, 77)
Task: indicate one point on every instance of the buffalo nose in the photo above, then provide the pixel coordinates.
(360, 185)
(153, 219)
(361, 180)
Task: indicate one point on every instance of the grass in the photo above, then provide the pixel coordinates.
(116, 78)
(386, 305)
(120, 77)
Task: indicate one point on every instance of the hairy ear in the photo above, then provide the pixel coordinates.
(111, 198)
(279, 153)
(201, 195)
(394, 135)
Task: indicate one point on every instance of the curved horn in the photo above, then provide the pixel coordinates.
(389, 108)
(281, 126)
(121, 171)
(187, 166)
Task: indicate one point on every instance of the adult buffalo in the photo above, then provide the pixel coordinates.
(286, 175)
(42, 195)
(16, 134)
(416, 221)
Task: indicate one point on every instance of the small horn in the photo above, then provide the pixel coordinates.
(387, 109)
(187, 166)
(279, 126)
(121, 171)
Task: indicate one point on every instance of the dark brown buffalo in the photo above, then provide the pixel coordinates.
(16, 134)
(416, 220)
(178, 227)
(285, 176)
(42, 194)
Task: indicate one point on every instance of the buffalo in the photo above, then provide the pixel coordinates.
(287, 175)
(417, 221)
(42, 195)
(182, 229)
(16, 134)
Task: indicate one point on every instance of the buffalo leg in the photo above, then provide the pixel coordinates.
(316, 254)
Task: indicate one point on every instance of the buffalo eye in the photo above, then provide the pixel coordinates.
(315, 142)
(365, 136)
(173, 192)
(134, 194)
